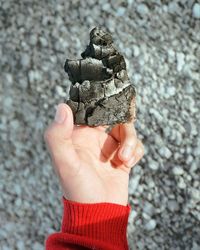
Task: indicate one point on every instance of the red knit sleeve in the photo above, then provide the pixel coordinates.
(100, 226)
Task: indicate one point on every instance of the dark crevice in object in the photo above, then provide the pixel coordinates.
(89, 112)
(101, 93)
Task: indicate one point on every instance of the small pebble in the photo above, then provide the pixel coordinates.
(178, 170)
(121, 11)
(180, 57)
(196, 11)
(181, 183)
(142, 9)
(106, 7)
(153, 165)
(136, 50)
(165, 152)
(173, 205)
(25, 60)
(150, 225)
(195, 194)
(133, 184)
(38, 246)
(171, 91)
(195, 246)
(43, 41)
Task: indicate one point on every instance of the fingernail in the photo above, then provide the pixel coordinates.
(126, 153)
(131, 162)
(60, 115)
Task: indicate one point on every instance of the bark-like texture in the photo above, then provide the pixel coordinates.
(101, 93)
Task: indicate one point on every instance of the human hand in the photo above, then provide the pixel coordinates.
(92, 166)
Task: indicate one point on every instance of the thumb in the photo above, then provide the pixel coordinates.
(58, 137)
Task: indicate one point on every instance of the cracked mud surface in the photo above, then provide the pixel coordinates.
(101, 92)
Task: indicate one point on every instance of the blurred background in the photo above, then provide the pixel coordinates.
(160, 40)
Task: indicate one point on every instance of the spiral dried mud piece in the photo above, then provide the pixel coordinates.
(101, 92)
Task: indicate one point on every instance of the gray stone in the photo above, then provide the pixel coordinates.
(173, 8)
(142, 9)
(6, 248)
(173, 205)
(25, 60)
(150, 183)
(197, 151)
(128, 53)
(165, 152)
(106, 7)
(20, 245)
(34, 75)
(153, 165)
(61, 92)
(181, 183)
(18, 202)
(130, 2)
(178, 170)
(180, 57)
(8, 102)
(171, 91)
(3, 234)
(136, 50)
(156, 114)
(195, 246)
(195, 193)
(133, 184)
(148, 208)
(146, 216)
(150, 225)
(33, 39)
(171, 55)
(38, 246)
(120, 11)
(140, 245)
(17, 189)
(8, 79)
(43, 41)
(196, 11)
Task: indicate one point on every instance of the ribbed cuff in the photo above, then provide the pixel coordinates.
(99, 221)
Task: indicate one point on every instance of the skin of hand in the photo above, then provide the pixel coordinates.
(92, 166)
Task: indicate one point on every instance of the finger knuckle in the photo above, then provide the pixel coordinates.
(131, 140)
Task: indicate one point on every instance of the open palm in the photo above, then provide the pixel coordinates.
(90, 162)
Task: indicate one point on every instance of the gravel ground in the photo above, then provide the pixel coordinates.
(160, 40)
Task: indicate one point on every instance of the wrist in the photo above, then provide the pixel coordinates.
(99, 221)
